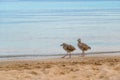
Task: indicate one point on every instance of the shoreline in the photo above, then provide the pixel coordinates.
(44, 57)
(58, 55)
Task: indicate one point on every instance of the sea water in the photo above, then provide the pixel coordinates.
(38, 27)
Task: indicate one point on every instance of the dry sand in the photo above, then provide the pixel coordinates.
(87, 68)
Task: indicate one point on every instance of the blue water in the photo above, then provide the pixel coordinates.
(39, 27)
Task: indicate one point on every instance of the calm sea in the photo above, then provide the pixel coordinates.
(39, 27)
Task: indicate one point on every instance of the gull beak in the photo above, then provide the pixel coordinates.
(61, 45)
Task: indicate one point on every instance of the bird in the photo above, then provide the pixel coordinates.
(84, 47)
(68, 48)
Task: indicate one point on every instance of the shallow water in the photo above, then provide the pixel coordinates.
(39, 27)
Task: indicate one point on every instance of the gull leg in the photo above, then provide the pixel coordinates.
(65, 55)
(82, 54)
(69, 55)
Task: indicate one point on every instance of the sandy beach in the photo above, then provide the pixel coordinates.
(76, 68)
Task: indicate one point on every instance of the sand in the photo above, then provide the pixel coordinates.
(76, 68)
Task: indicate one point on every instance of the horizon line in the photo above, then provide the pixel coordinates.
(53, 0)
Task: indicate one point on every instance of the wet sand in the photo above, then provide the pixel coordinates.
(97, 67)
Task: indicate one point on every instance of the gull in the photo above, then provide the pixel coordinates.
(84, 47)
(68, 48)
